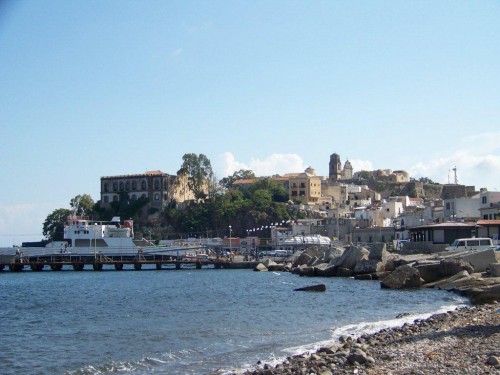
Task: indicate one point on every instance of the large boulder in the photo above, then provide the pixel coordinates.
(365, 266)
(260, 268)
(403, 277)
(351, 257)
(434, 271)
(488, 294)
(378, 251)
(325, 270)
(480, 260)
(302, 259)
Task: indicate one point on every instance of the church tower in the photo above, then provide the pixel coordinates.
(335, 168)
(347, 171)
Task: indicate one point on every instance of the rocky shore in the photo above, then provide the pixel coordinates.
(464, 341)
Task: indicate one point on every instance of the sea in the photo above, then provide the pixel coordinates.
(187, 321)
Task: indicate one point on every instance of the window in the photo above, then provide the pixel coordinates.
(106, 199)
(143, 185)
(447, 205)
(127, 185)
(134, 185)
(106, 187)
(473, 243)
(484, 199)
(134, 197)
(157, 184)
(115, 198)
(157, 197)
(115, 186)
(122, 186)
(484, 242)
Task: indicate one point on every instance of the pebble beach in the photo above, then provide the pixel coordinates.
(463, 341)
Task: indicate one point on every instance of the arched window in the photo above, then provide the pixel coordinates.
(157, 184)
(122, 186)
(134, 185)
(106, 187)
(143, 185)
(127, 185)
(115, 186)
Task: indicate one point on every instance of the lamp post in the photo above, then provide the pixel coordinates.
(230, 240)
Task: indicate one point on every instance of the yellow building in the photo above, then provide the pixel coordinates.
(304, 187)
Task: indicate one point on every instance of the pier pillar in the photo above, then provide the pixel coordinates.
(177, 265)
(97, 266)
(78, 266)
(37, 267)
(158, 266)
(118, 266)
(137, 266)
(56, 267)
(198, 265)
(1, 267)
(16, 267)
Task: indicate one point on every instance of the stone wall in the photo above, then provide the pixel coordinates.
(422, 248)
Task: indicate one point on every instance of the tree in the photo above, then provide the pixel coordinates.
(53, 226)
(242, 174)
(198, 170)
(82, 205)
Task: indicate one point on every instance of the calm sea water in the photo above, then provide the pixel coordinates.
(185, 321)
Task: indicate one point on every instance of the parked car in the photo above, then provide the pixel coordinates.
(467, 244)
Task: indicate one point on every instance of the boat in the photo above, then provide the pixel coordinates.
(85, 237)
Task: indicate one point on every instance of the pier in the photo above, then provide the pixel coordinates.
(117, 262)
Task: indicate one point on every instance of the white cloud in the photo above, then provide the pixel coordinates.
(273, 164)
(476, 158)
(361, 165)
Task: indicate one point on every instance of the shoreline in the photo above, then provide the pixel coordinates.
(462, 341)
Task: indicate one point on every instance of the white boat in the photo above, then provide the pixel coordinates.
(89, 237)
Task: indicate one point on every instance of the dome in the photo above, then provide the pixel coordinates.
(311, 171)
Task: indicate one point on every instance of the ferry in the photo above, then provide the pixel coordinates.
(84, 237)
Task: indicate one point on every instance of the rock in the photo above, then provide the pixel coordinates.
(268, 263)
(358, 356)
(495, 269)
(351, 256)
(451, 282)
(364, 276)
(368, 266)
(488, 294)
(344, 272)
(312, 288)
(378, 251)
(480, 260)
(402, 278)
(325, 270)
(303, 258)
(432, 272)
(493, 361)
(260, 268)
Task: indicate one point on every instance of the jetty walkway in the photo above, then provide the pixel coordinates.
(117, 262)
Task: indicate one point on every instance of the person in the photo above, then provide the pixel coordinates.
(17, 251)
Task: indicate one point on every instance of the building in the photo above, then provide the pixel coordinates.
(160, 189)
(304, 187)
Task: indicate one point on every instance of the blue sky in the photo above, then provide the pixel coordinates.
(99, 88)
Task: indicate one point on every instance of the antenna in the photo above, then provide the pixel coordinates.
(455, 173)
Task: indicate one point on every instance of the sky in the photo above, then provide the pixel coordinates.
(102, 88)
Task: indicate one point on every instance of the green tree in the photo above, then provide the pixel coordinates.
(53, 226)
(198, 170)
(82, 205)
(242, 174)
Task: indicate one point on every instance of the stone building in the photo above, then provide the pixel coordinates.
(304, 187)
(159, 188)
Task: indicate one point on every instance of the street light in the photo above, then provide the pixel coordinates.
(230, 239)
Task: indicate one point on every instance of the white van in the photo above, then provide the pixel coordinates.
(467, 244)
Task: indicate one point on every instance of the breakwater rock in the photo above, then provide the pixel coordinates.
(473, 274)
